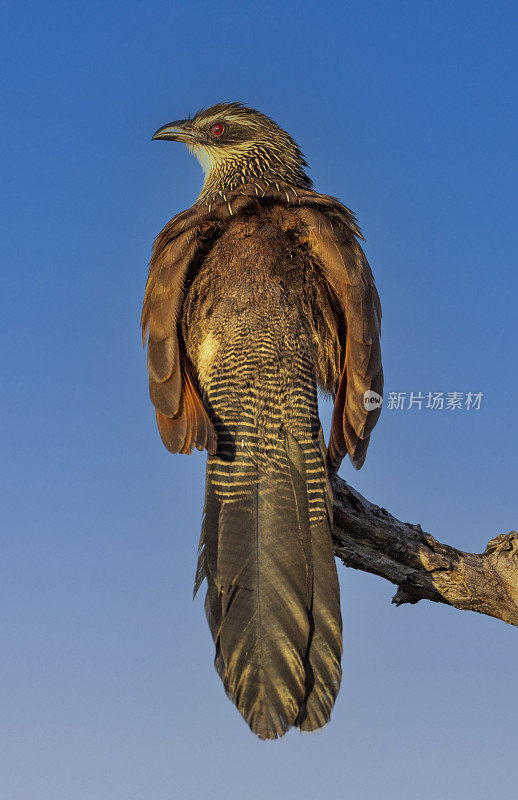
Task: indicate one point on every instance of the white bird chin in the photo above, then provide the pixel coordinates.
(205, 156)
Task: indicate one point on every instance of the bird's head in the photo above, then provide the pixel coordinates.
(236, 144)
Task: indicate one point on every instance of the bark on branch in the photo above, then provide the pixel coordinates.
(367, 537)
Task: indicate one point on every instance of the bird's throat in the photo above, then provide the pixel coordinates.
(234, 169)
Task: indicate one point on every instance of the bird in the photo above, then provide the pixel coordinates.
(259, 298)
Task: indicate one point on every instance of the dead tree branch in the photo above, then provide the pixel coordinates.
(368, 538)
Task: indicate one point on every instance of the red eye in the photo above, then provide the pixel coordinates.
(217, 129)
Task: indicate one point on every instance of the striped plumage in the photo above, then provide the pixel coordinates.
(257, 295)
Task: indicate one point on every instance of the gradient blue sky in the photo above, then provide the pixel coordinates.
(407, 112)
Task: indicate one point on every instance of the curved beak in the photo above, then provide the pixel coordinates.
(179, 131)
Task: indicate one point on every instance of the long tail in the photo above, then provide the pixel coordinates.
(272, 590)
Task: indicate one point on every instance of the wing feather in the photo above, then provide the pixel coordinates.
(182, 420)
(332, 239)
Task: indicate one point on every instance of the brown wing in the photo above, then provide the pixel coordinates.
(331, 237)
(331, 232)
(182, 420)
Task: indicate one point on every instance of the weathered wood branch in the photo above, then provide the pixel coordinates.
(368, 538)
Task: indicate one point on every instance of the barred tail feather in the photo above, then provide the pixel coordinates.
(272, 591)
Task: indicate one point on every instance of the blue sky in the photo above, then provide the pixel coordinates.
(406, 112)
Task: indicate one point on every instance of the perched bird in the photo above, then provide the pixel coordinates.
(257, 295)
